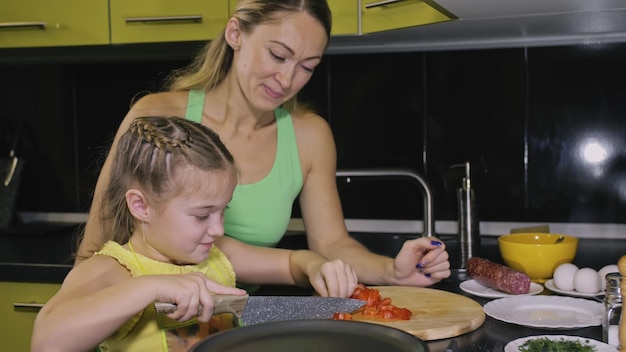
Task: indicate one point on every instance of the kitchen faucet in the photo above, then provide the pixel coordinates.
(429, 220)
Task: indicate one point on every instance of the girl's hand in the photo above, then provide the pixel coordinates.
(189, 292)
(421, 262)
(334, 279)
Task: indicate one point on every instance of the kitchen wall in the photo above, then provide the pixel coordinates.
(544, 128)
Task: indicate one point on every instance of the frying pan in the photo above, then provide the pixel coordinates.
(311, 336)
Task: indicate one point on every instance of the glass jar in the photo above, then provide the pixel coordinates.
(612, 309)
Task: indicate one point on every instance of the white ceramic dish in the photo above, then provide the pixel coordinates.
(473, 287)
(549, 312)
(552, 287)
(514, 345)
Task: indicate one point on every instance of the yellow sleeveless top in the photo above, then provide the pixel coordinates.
(145, 331)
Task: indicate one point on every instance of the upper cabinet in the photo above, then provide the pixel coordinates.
(345, 16)
(147, 21)
(39, 23)
(356, 17)
(383, 15)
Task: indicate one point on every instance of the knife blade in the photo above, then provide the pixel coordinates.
(259, 309)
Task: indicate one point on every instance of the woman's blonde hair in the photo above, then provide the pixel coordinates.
(213, 62)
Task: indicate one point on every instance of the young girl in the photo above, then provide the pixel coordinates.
(170, 184)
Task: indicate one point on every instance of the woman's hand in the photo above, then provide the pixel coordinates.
(333, 279)
(421, 262)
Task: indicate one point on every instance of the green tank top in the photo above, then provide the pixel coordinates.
(259, 212)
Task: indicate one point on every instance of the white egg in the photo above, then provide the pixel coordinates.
(611, 268)
(564, 276)
(587, 280)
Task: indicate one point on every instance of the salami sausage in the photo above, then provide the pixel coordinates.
(498, 276)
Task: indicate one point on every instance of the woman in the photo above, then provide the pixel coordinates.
(243, 85)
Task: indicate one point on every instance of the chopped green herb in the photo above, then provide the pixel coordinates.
(544, 344)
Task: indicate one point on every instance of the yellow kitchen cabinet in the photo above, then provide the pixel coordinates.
(149, 21)
(231, 4)
(345, 16)
(383, 15)
(19, 304)
(41, 23)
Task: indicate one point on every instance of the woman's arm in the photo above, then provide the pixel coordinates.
(325, 225)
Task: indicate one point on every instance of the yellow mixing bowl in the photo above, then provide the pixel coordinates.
(537, 254)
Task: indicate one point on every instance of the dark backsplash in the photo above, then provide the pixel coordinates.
(527, 119)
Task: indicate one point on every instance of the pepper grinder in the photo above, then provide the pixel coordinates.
(468, 235)
(621, 264)
(612, 303)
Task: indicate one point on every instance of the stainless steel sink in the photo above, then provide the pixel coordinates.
(426, 192)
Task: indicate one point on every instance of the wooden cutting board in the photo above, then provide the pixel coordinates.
(437, 314)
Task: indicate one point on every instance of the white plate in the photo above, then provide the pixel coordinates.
(473, 287)
(552, 287)
(514, 345)
(550, 312)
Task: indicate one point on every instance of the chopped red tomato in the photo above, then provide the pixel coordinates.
(386, 301)
(342, 316)
(375, 306)
(369, 311)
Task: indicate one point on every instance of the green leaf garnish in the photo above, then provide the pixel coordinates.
(544, 344)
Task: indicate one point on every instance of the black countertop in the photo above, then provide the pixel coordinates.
(493, 334)
(43, 253)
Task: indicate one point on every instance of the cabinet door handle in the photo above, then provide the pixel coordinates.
(382, 3)
(34, 306)
(9, 25)
(12, 169)
(192, 18)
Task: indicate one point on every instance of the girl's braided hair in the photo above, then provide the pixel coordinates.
(163, 157)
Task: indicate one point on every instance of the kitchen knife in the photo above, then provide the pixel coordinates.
(223, 304)
(259, 309)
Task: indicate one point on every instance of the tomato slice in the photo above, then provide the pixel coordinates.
(404, 314)
(369, 311)
(342, 316)
(385, 302)
(375, 306)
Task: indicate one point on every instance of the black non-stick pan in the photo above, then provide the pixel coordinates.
(314, 335)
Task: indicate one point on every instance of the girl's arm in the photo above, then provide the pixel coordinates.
(260, 265)
(329, 278)
(90, 300)
(99, 296)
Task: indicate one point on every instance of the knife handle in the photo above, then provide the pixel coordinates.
(230, 304)
(223, 304)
